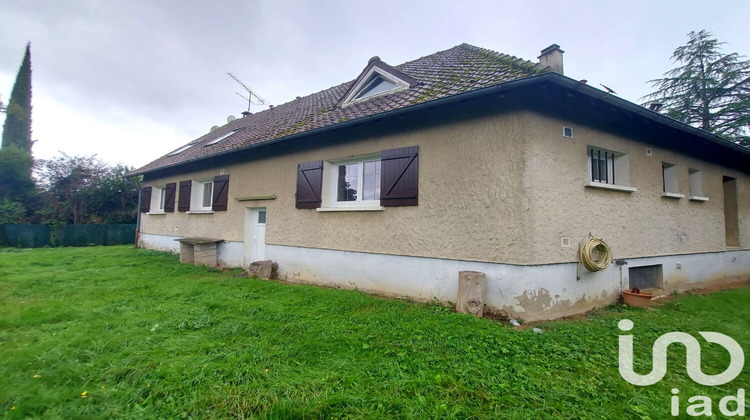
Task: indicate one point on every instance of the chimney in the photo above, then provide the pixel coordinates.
(552, 57)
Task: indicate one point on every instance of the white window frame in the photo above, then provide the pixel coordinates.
(158, 199)
(618, 170)
(330, 185)
(352, 97)
(197, 194)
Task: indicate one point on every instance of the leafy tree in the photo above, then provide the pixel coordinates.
(709, 89)
(11, 212)
(83, 189)
(113, 198)
(64, 180)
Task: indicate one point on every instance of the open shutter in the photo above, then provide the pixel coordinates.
(221, 193)
(399, 177)
(184, 201)
(169, 193)
(309, 184)
(145, 199)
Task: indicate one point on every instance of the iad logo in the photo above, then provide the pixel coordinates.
(693, 362)
(702, 404)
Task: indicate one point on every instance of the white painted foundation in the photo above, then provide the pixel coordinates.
(531, 292)
(230, 253)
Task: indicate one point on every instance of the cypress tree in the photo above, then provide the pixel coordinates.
(17, 128)
(16, 184)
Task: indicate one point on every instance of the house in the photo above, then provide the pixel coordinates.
(465, 159)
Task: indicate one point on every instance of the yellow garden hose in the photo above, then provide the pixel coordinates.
(585, 251)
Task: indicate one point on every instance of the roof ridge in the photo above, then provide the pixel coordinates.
(453, 71)
(512, 60)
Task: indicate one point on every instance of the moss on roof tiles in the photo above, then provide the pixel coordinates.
(450, 72)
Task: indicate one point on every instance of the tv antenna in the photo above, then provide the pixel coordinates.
(250, 94)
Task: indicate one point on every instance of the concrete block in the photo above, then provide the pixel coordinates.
(263, 269)
(186, 253)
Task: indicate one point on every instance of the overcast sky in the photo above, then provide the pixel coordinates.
(132, 80)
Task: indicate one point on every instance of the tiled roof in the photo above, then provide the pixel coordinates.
(446, 73)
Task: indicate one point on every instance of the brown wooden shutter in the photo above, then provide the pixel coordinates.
(309, 184)
(183, 203)
(399, 177)
(145, 199)
(221, 193)
(169, 193)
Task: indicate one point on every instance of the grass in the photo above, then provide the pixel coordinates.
(144, 336)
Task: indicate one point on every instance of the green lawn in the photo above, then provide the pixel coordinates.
(121, 332)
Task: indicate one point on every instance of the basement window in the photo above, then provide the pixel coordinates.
(608, 169)
(646, 277)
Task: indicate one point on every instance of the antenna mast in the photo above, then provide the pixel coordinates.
(250, 94)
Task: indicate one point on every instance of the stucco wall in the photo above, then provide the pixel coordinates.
(470, 206)
(502, 188)
(634, 224)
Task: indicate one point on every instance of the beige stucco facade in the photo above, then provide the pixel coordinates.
(505, 188)
(504, 193)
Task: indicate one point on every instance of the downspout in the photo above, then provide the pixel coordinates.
(138, 219)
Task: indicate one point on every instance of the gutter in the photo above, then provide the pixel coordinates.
(645, 112)
(552, 77)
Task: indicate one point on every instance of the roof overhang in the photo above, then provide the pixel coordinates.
(546, 78)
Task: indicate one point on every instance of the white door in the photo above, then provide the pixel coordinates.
(255, 235)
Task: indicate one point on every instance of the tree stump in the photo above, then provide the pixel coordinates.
(471, 285)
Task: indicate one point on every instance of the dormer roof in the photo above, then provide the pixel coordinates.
(377, 79)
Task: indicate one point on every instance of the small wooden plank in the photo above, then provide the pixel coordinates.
(471, 287)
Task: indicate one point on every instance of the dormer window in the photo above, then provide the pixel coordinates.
(377, 79)
(376, 84)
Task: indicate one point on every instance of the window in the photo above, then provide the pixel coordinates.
(364, 183)
(375, 85)
(670, 183)
(602, 166)
(696, 185)
(567, 132)
(220, 138)
(358, 182)
(162, 199)
(646, 277)
(201, 196)
(608, 169)
(158, 197)
(208, 189)
(377, 79)
(181, 149)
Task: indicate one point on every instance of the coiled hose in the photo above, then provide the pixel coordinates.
(585, 250)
